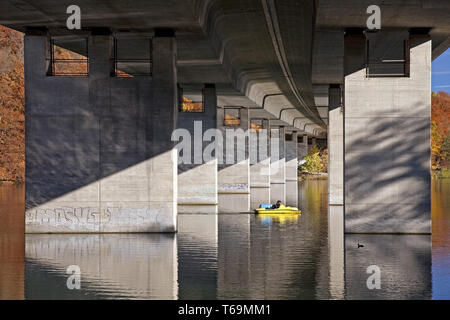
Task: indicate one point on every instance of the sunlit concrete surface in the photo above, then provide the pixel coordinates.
(291, 170)
(260, 166)
(234, 171)
(277, 165)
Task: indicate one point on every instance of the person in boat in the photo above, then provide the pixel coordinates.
(277, 205)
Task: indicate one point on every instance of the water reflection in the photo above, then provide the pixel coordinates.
(12, 207)
(228, 256)
(197, 256)
(440, 213)
(404, 262)
(273, 258)
(138, 266)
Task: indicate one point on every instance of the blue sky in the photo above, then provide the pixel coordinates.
(440, 77)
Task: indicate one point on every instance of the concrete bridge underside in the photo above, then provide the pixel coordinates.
(99, 155)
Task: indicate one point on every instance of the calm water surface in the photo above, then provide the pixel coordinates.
(226, 257)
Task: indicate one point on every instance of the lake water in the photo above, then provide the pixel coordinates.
(229, 256)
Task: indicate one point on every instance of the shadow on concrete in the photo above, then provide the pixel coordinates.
(73, 142)
(387, 175)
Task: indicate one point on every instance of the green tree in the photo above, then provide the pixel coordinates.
(313, 162)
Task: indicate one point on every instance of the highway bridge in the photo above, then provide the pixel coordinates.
(99, 150)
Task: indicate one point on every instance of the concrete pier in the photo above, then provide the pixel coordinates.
(387, 137)
(97, 158)
(260, 168)
(234, 171)
(336, 192)
(335, 148)
(277, 165)
(99, 154)
(291, 170)
(197, 182)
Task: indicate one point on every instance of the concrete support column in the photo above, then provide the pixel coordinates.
(62, 146)
(335, 148)
(291, 171)
(99, 151)
(387, 137)
(313, 141)
(336, 192)
(260, 167)
(277, 165)
(302, 147)
(197, 181)
(234, 171)
(161, 120)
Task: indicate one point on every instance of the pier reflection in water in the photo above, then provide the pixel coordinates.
(228, 256)
(137, 266)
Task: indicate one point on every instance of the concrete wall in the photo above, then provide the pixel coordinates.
(197, 183)
(260, 169)
(98, 151)
(234, 179)
(277, 166)
(387, 143)
(291, 171)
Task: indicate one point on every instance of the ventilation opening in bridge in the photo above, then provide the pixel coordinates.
(232, 116)
(68, 57)
(387, 54)
(289, 137)
(190, 98)
(132, 57)
(256, 124)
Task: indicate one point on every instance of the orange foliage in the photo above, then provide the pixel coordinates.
(255, 126)
(440, 129)
(231, 120)
(12, 118)
(68, 62)
(190, 106)
(12, 101)
(440, 112)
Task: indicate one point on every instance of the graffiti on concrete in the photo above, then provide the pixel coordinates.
(224, 187)
(90, 215)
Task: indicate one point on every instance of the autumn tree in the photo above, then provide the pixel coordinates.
(12, 118)
(12, 104)
(440, 129)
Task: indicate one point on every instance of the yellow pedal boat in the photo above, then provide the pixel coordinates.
(281, 210)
